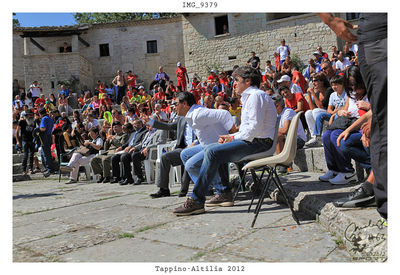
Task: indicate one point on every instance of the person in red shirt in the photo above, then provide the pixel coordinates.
(212, 76)
(299, 79)
(323, 54)
(106, 101)
(182, 75)
(223, 79)
(160, 95)
(296, 101)
(40, 102)
(131, 79)
(195, 83)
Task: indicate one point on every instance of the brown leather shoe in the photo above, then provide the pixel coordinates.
(190, 207)
(220, 200)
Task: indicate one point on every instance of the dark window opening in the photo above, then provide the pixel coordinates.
(104, 50)
(152, 46)
(352, 16)
(231, 57)
(221, 25)
(68, 49)
(52, 84)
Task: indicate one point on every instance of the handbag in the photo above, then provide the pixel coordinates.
(342, 122)
(84, 151)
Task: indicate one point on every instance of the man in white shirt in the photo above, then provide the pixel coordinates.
(35, 89)
(342, 62)
(208, 125)
(254, 136)
(283, 51)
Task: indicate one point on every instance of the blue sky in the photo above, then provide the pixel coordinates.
(44, 19)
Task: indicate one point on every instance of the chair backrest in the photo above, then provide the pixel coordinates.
(289, 150)
(271, 150)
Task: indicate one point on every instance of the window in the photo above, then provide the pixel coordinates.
(152, 46)
(221, 25)
(104, 50)
(352, 16)
(67, 49)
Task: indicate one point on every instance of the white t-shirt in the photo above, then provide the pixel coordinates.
(288, 114)
(353, 107)
(342, 65)
(93, 123)
(209, 124)
(283, 51)
(294, 88)
(35, 90)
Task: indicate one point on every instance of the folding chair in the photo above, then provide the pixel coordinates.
(60, 158)
(248, 158)
(271, 163)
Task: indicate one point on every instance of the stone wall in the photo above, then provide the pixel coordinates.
(250, 32)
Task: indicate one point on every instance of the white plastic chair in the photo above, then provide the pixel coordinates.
(175, 175)
(264, 154)
(271, 163)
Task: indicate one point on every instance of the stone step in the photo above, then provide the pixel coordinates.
(17, 158)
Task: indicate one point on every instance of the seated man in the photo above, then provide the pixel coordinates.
(287, 115)
(185, 138)
(101, 164)
(140, 152)
(130, 145)
(254, 136)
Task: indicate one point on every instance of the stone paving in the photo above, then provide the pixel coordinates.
(95, 222)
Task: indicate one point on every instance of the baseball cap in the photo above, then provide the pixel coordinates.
(178, 64)
(141, 87)
(316, 53)
(213, 71)
(284, 78)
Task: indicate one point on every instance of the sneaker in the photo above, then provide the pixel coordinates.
(361, 197)
(71, 181)
(314, 142)
(66, 169)
(344, 178)
(283, 170)
(190, 207)
(47, 174)
(100, 180)
(225, 199)
(328, 175)
(37, 170)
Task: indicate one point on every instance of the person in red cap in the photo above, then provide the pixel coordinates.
(181, 74)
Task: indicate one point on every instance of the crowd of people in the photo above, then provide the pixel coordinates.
(215, 121)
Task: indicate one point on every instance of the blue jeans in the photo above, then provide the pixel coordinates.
(193, 157)
(216, 154)
(319, 123)
(354, 148)
(335, 159)
(47, 159)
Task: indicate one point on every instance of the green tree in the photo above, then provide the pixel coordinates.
(15, 21)
(98, 17)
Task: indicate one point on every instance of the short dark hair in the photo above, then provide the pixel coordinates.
(248, 72)
(188, 97)
(283, 88)
(42, 111)
(129, 126)
(337, 79)
(116, 123)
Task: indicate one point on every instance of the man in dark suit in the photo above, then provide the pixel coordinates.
(130, 145)
(185, 138)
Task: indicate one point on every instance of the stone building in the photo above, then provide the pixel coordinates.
(200, 41)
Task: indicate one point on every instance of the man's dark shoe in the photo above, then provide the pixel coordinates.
(47, 174)
(126, 181)
(210, 192)
(115, 180)
(190, 207)
(361, 197)
(100, 179)
(106, 179)
(182, 193)
(225, 199)
(161, 193)
(138, 181)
